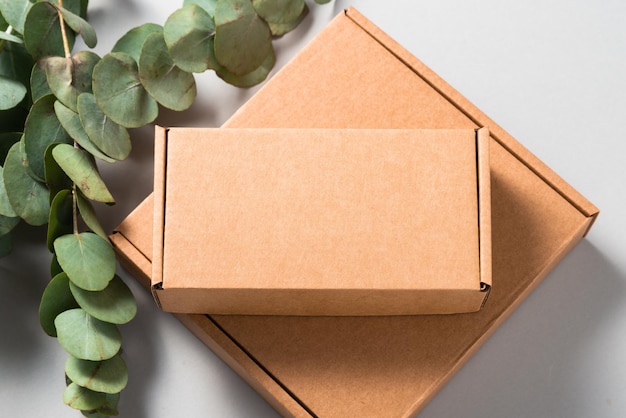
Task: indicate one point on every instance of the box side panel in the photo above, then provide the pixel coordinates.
(484, 204)
(158, 225)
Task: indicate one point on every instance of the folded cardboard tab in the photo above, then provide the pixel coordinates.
(321, 221)
(352, 75)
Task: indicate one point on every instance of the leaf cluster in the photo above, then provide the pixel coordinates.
(61, 112)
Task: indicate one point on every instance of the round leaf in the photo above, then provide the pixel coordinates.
(69, 77)
(281, 15)
(82, 398)
(10, 38)
(43, 37)
(28, 197)
(5, 206)
(60, 221)
(15, 63)
(207, 5)
(187, 33)
(242, 39)
(56, 298)
(74, 127)
(85, 337)
(79, 167)
(11, 93)
(87, 258)
(166, 83)
(42, 128)
(115, 304)
(133, 40)
(56, 180)
(119, 92)
(79, 25)
(108, 376)
(14, 11)
(55, 268)
(248, 80)
(38, 81)
(110, 137)
(89, 216)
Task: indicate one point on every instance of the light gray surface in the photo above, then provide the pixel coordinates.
(553, 74)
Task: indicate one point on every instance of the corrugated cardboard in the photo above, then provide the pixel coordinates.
(353, 75)
(321, 221)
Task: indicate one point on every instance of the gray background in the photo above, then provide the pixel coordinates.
(552, 73)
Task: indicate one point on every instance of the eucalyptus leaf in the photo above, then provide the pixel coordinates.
(88, 260)
(115, 304)
(14, 12)
(111, 138)
(79, 25)
(43, 37)
(108, 376)
(81, 398)
(187, 33)
(38, 81)
(27, 196)
(7, 224)
(55, 267)
(119, 92)
(56, 180)
(56, 298)
(281, 15)
(242, 39)
(15, 63)
(6, 245)
(207, 5)
(70, 121)
(5, 206)
(11, 38)
(11, 93)
(251, 79)
(165, 82)
(108, 409)
(60, 220)
(133, 40)
(85, 337)
(69, 77)
(89, 216)
(42, 128)
(80, 168)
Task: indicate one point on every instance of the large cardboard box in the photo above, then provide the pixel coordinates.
(322, 221)
(353, 75)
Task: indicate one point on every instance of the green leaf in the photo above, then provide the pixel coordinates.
(6, 245)
(11, 93)
(43, 37)
(38, 81)
(5, 206)
(322, 1)
(81, 398)
(85, 337)
(242, 39)
(248, 80)
(56, 298)
(89, 216)
(14, 11)
(281, 15)
(69, 77)
(88, 260)
(80, 168)
(71, 123)
(11, 38)
(133, 40)
(56, 180)
(108, 376)
(28, 197)
(16, 63)
(207, 5)
(119, 92)
(165, 82)
(111, 138)
(7, 224)
(60, 220)
(42, 128)
(108, 409)
(55, 268)
(187, 33)
(80, 26)
(115, 304)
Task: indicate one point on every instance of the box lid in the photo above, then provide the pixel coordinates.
(322, 222)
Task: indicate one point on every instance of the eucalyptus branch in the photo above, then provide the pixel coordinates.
(66, 43)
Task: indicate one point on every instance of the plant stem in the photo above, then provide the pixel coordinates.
(66, 44)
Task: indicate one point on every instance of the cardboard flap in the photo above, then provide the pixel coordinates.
(160, 146)
(484, 206)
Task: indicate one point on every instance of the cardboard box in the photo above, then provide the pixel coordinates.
(353, 75)
(321, 221)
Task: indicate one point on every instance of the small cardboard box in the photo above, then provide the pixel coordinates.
(352, 75)
(321, 221)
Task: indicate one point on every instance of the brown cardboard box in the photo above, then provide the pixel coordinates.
(328, 222)
(353, 75)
